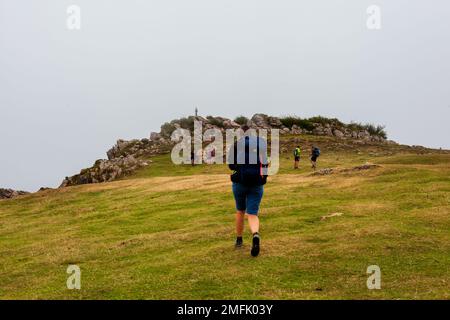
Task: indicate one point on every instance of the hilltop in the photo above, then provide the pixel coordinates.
(126, 157)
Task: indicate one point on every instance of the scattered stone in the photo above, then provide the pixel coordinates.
(328, 171)
(334, 214)
(154, 136)
(365, 166)
(323, 172)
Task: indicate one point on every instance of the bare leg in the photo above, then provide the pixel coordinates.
(239, 223)
(253, 222)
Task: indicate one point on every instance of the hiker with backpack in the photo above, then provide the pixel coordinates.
(248, 160)
(315, 153)
(296, 157)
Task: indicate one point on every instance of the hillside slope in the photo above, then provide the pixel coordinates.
(167, 232)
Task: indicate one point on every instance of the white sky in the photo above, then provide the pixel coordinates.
(67, 96)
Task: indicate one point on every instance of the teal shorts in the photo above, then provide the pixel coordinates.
(248, 198)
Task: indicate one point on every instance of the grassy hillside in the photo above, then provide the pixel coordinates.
(168, 232)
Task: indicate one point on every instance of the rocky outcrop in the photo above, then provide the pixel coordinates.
(9, 193)
(157, 144)
(106, 171)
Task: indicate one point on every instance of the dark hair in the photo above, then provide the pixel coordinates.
(245, 127)
(298, 146)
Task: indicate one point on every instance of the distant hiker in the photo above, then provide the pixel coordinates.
(249, 163)
(315, 153)
(192, 158)
(296, 157)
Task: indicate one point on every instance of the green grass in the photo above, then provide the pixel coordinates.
(167, 233)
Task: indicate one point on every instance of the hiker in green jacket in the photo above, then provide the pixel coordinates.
(296, 157)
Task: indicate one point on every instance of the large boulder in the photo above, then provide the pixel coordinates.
(285, 131)
(364, 135)
(318, 130)
(274, 122)
(230, 124)
(154, 136)
(119, 148)
(10, 193)
(338, 133)
(296, 129)
(328, 131)
(259, 120)
(263, 121)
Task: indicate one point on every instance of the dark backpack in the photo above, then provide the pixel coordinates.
(248, 171)
(316, 152)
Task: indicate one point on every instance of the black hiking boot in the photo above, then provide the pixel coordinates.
(238, 243)
(255, 245)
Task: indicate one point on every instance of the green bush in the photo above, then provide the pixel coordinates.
(376, 130)
(167, 129)
(215, 122)
(306, 124)
(355, 126)
(381, 131)
(241, 120)
(187, 123)
(325, 120)
(289, 121)
(372, 129)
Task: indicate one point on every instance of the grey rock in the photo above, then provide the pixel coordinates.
(154, 136)
(338, 133)
(10, 193)
(106, 171)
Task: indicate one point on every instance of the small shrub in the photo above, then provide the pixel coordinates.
(187, 123)
(215, 122)
(355, 126)
(289, 121)
(325, 120)
(241, 120)
(167, 129)
(306, 124)
(381, 132)
(372, 129)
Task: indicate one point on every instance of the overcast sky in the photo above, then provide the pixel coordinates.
(67, 95)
